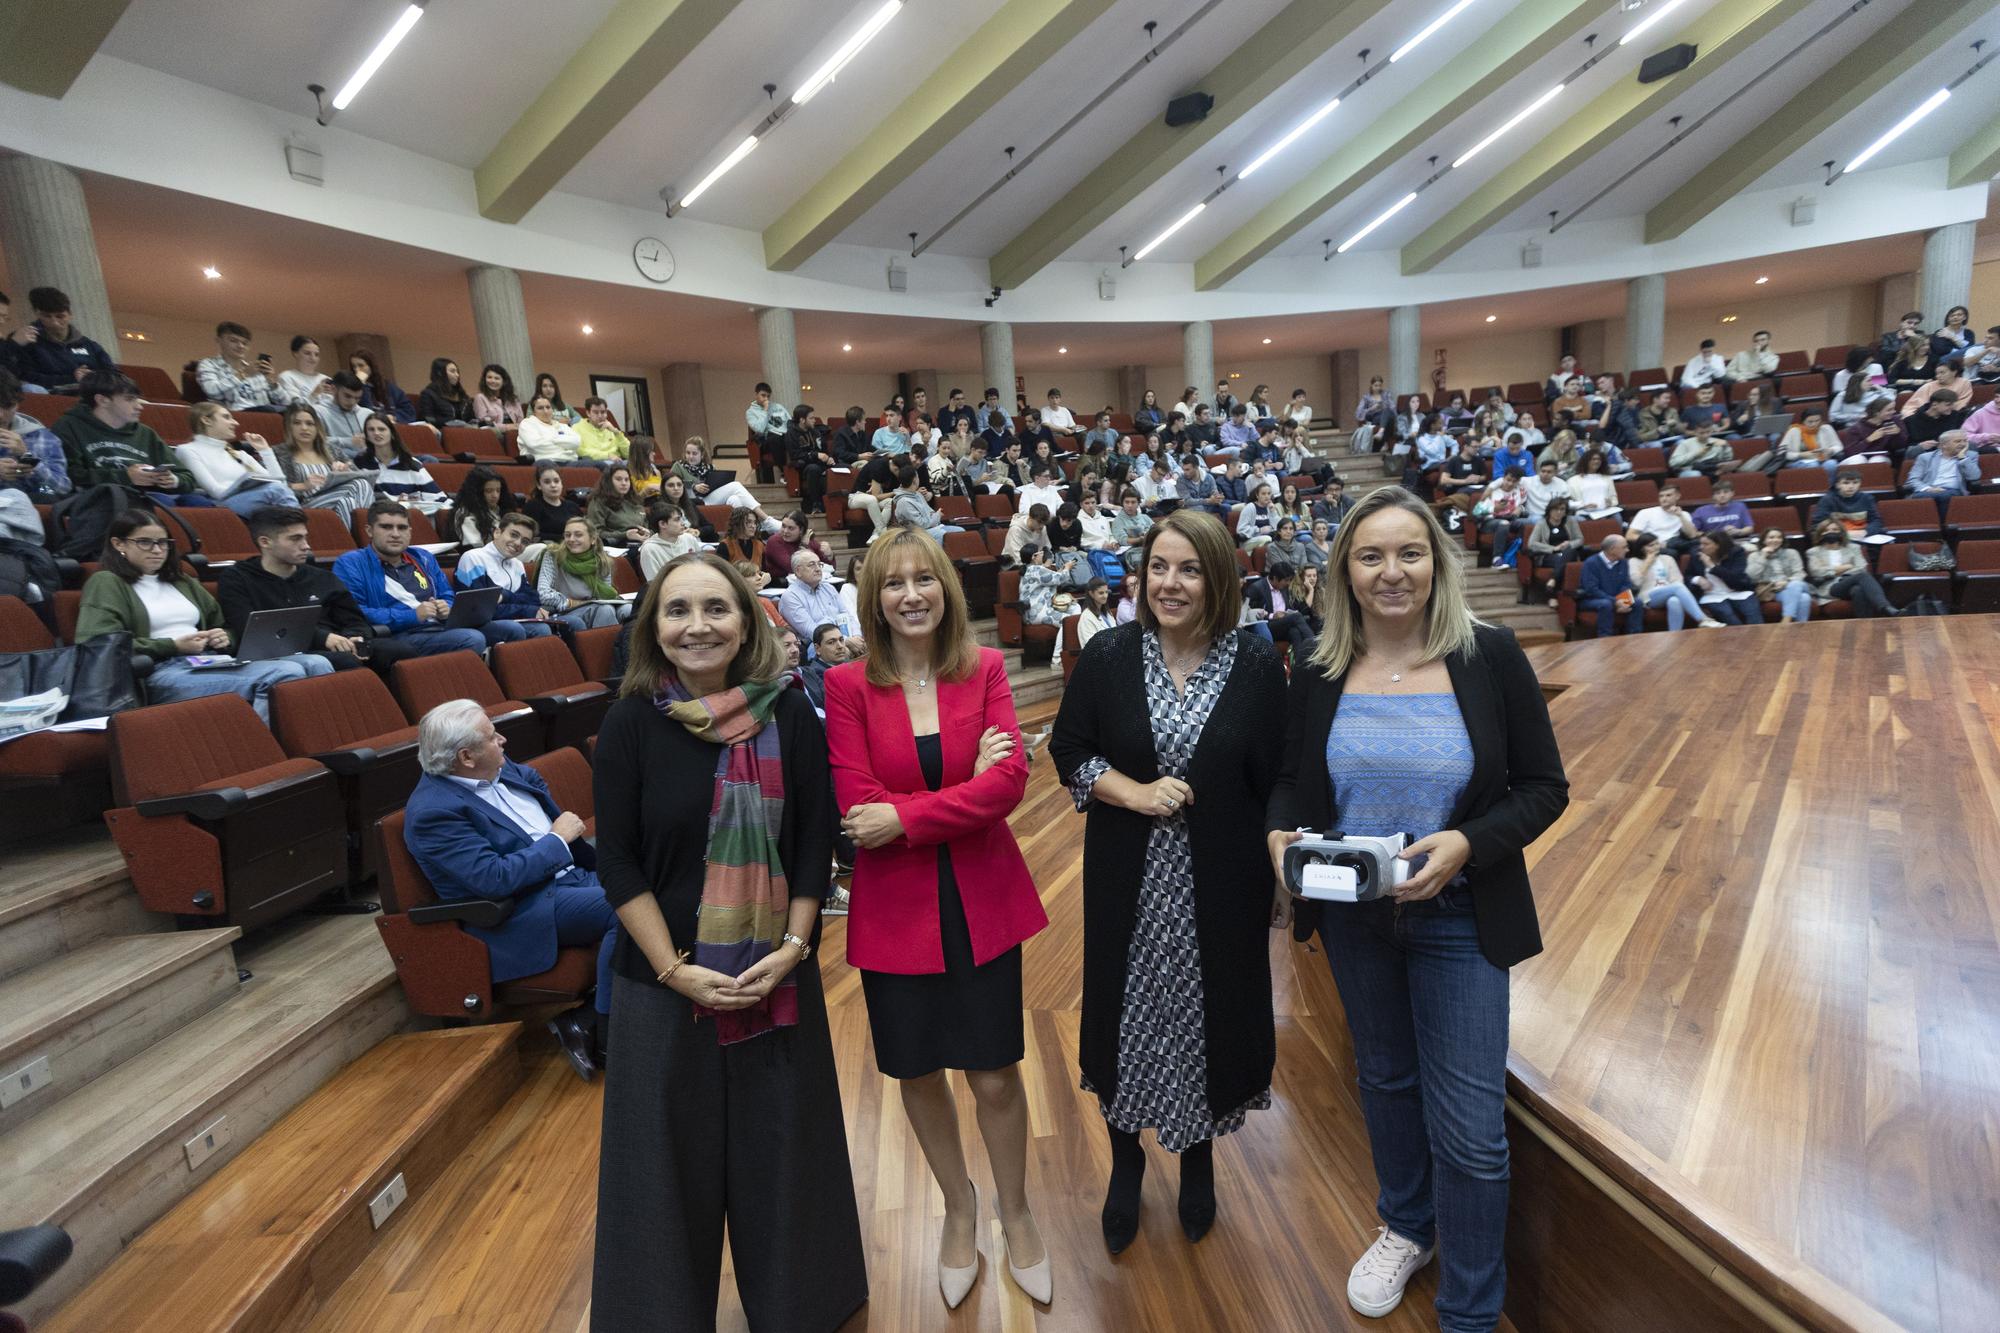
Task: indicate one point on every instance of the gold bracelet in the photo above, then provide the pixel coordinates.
(805, 949)
(679, 960)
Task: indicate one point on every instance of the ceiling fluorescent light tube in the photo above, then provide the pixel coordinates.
(383, 49)
(1931, 103)
(1519, 116)
(852, 48)
(1650, 21)
(1286, 142)
(736, 155)
(1434, 25)
(1393, 209)
(1157, 241)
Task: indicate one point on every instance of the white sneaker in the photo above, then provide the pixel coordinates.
(1375, 1284)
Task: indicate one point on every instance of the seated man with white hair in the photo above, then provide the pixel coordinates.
(484, 827)
(810, 600)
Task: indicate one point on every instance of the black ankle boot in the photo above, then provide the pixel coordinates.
(1197, 1205)
(1121, 1200)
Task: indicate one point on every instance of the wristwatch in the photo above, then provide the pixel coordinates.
(805, 950)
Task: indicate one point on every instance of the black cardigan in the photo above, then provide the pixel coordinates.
(1234, 766)
(1516, 791)
(654, 782)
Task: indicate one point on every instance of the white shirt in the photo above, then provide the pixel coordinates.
(1705, 369)
(300, 384)
(517, 807)
(1096, 527)
(500, 570)
(1657, 521)
(169, 614)
(554, 443)
(1030, 496)
(1300, 414)
(1539, 493)
(1058, 418)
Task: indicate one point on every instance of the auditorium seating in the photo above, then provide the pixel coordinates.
(978, 569)
(1071, 648)
(68, 772)
(1972, 516)
(1036, 642)
(444, 969)
(422, 683)
(349, 722)
(1900, 582)
(215, 821)
(596, 652)
(1978, 576)
(544, 674)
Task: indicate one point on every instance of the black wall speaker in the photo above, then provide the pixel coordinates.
(1187, 109)
(1663, 64)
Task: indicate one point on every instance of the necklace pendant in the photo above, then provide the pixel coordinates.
(1396, 677)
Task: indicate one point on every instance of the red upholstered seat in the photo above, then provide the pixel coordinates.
(422, 683)
(155, 385)
(350, 722)
(543, 674)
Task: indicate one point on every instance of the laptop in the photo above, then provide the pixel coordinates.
(1777, 423)
(279, 632)
(471, 610)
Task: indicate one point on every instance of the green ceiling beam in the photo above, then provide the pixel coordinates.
(1977, 160)
(44, 47)
(639, 43)
(1721, 34)
(1293, 39)
(1522, 36)
(1832, 96)
(964, 86)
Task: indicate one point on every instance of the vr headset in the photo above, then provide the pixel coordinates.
(1335, 868)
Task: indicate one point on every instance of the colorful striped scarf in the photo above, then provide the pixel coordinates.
(744, 898)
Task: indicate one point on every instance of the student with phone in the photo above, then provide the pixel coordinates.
(105, 443)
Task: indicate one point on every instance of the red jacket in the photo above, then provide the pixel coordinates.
(892, 924)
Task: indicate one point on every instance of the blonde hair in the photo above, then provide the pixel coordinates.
(1221, 579)
(760, 658)
(1450, 625)
(202, 413)
(954, 652)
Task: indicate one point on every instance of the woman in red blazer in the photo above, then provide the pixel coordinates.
(927, 765)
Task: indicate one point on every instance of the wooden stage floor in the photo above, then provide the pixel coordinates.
(1770, 1001)
(1769, 1007)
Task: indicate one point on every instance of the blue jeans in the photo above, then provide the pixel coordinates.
(173, 500)
(1429, 1019)
(584, 916)
(1795, 600)
(429, 640)
(247, 502)
(251, 681)
(508, 631)
(1680, 604)
(1736, 610)
(1607, 615)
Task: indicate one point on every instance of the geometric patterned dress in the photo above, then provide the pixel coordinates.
(1162, 1044)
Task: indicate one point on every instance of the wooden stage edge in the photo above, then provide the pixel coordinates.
(1750, 1081)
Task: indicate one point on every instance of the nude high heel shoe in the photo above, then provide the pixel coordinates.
(1038, 1280)
(954, 1283)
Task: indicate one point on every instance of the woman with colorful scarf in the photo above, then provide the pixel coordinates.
(715, 818)
(927, 764)
(575, 580)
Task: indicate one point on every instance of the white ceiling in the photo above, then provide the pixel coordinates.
(472, 66)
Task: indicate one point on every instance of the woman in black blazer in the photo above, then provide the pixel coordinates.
(1414, 717)
(1164, 739)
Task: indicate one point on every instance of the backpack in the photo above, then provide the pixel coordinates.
(79, 522)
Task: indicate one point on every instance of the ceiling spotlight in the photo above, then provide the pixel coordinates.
(1761, 281)
(588, 329)
(1729, 319)
(1267, 342)
(847, 347)
(1491, 318)
(211, 272)
(1062, 351)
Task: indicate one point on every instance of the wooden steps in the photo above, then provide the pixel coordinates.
(61, 893)
(113, 1158)
(263, 1242)
(88, 1010)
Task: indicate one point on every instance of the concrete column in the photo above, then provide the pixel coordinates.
(45, 233)
(1588, 343)
(1347, 387)
(996, 356)
(1198, 358)
(1132, 389)
(1645, 322)
(778, 350)
(1945, 280)
(686, 411)
(501, 318)
(377, 346)
(1406, 351)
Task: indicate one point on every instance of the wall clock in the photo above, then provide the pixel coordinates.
(655, 261)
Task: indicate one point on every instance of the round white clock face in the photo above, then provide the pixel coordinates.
(655, 261)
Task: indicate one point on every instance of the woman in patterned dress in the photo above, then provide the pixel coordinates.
(1177, 1033)
(1414, 717)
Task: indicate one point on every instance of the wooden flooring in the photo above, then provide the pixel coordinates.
(1770, 1002)
(502, 1241)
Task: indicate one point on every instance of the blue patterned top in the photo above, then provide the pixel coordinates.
(1397, 763)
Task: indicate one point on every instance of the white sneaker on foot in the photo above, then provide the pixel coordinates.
(1375, 1284)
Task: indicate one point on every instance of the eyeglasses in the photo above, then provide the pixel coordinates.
(149, 543)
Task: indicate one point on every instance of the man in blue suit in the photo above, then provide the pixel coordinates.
(482, 826)
(1605, 575)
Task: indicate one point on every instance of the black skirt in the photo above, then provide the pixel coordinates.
(965, 1017)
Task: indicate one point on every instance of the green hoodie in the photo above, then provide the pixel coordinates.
(111, 604)
(98, 455)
